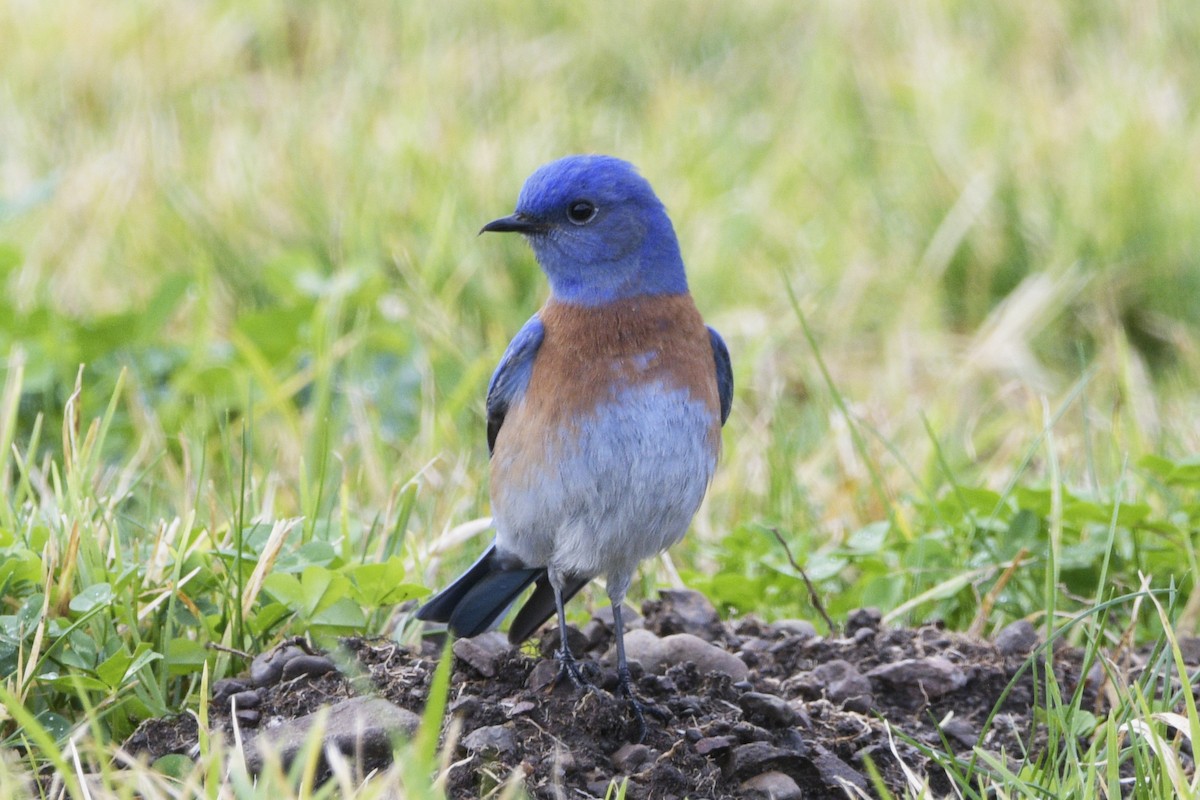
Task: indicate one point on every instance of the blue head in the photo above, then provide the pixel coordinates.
(599, 232)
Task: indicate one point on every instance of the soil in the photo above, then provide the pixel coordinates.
(809, 714)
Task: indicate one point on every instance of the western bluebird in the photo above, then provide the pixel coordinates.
(604, 415)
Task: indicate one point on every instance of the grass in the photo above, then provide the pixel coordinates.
(953, 251)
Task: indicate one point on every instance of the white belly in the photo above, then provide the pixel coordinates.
(620, 486)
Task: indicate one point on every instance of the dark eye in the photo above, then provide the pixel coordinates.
(581, 212)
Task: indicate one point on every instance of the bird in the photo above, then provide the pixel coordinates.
(604, 414)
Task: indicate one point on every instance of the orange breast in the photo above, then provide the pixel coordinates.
(590, 354)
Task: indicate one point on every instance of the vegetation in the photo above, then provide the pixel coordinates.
(246, 328)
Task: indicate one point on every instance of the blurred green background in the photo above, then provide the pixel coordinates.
(987, 215)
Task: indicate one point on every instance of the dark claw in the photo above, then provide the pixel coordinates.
(568, 667)
(639, 708)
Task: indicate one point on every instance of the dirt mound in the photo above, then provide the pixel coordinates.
(799, 715)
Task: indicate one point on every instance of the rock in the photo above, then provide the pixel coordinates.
(549, 644)
(246, 699)
(863, 618)
(1189, 648)
(771, 785)
(630, 757)
(267, 668)
(745, 731)
(863, 635)
(846, 685)
(960, 731)
(795, 627)
(686, 705)
(835, 773)
(360, 726)
(683, 647)
(714, 744)
(756, 758)
(657, 655)
(632, 619)
(596, 633)
(247, 718)
(767, 710)
(226, 688)
(688, 611)
(482, 652)
(808, 685)
(935, 676)
(305, 665)
(464, 705)
(754, 644)
(492, 738)
(1016, 638)
(564, 762)
(641, 646)
(542, 675)
(601, 788)
(519, 708)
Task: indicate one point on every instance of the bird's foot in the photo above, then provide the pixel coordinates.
(639, 708)
(568, 669)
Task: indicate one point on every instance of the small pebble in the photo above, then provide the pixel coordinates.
(492, 738)
(960, 731)
(523, 707)
(863, 618)
(767, 710)
(248, 717)
(686, 705)
(1189, 648)
(756, 758)
(689, 611)
(631, 756)
(632, 619)
(226, 688)
(772, 785)
(801, 628)
(844, 684)
(542, 675)
(1017, 638)
(247, 699)
(714, 744)
(306, 665)
(747, 731)
(935, 676)
(836, 774)
(600, 788)
(482, 652)
(267, 668)
(549, 645)
(465, 705)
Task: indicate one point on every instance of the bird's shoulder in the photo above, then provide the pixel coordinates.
(511, 378)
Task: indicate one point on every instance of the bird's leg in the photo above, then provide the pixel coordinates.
(625, 680)
(568, 667)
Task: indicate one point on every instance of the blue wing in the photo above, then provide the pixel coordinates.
(511, 377)
(724, 373)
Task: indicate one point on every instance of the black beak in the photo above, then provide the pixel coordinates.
(516, 223)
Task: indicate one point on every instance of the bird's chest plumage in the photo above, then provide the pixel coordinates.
(615, 439)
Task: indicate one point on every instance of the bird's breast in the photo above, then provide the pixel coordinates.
(591, 355)
(619, 425)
